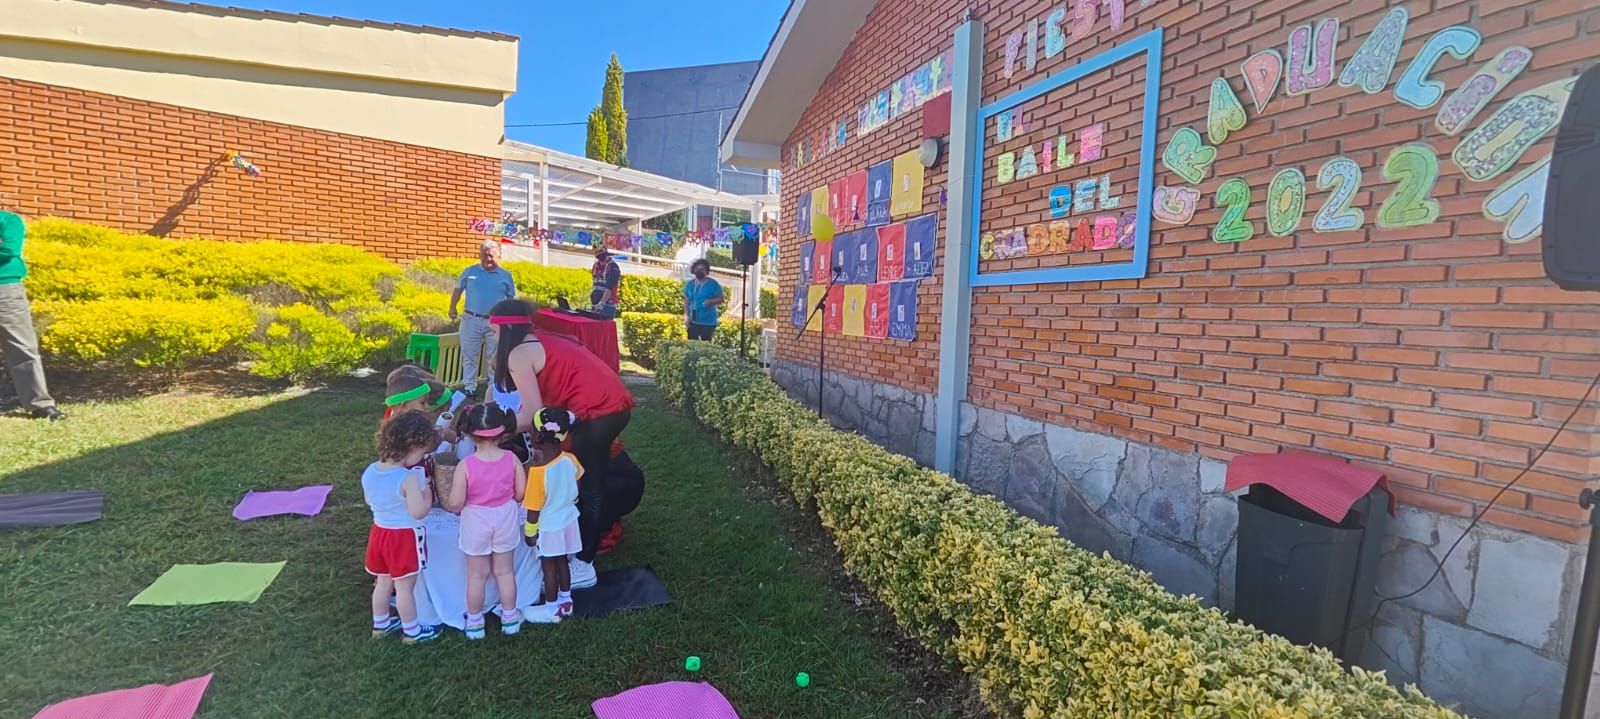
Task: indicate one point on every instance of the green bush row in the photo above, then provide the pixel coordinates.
(1047, 629)
(643, 331)
(543, 284)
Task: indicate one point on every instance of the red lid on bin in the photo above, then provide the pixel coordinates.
(1322, 484)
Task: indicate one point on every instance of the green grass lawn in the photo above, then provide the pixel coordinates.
(753, 607)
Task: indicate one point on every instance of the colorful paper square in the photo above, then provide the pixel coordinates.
(836, 203)
(193, 584)
(800, 308)
(822, 263)
(905, 195)
(921, 239)
(806, 248)
(903, 311)
(814, 294)
(152, 701)
(864, 266)
(891, 252)
(802, 221)
(880, 178)
(305, 501)
(855, 310)
(819, 203)
(855, 197)
(877, 318)
(844, 255)
(833, 312)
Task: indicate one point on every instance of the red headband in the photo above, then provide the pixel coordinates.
(510, 320)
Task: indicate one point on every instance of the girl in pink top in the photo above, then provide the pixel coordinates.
(487, 492)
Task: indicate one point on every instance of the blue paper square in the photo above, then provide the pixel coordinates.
(903, 311)
(806, 250)
(802, 220)
(921, 242)
(864, 270)
(880, 179)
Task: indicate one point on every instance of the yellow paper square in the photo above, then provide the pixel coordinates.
(819, 201)
(855, 310)
(905, 194)
(814, 295)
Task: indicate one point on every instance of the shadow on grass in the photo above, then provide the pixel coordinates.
(173, 466)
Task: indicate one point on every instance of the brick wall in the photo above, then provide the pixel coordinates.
(148, 167)
(1437, 352)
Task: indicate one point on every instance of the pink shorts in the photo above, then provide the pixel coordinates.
(490, 530)
(560, 542)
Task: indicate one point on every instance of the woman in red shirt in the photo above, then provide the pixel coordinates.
(550, 370)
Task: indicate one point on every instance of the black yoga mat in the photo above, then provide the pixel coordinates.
(619, 589)
(49, 509)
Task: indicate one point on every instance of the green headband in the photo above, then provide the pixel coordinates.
(406, 396)
(444, 399)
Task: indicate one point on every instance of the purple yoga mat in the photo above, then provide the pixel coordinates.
(669, 700)
(305, 500)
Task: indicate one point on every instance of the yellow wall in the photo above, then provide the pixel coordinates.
(431, 88)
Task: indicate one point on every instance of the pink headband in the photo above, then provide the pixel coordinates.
(510, 320)
(489, 432)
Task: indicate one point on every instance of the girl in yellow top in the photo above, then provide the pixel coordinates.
(552, 504)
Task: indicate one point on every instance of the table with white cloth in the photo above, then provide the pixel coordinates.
(442, 590)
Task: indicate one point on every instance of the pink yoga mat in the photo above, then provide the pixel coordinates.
(305, 500)
(153, 701)
(670, 700)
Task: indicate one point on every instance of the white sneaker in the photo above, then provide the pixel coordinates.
(582, 573)
(546, 613)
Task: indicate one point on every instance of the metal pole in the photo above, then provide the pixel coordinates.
(1586, 629)
(544, 212)
(744, 309)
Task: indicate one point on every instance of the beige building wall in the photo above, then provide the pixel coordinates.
(431, 87)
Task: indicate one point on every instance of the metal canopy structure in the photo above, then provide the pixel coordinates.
(546, 188)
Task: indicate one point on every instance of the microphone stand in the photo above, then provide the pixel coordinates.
(822, 333)
(744, 305)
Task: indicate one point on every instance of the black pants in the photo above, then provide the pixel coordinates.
(701, 332)
(591, 442)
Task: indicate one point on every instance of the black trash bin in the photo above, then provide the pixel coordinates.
(1307, 578)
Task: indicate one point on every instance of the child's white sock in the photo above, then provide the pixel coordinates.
(507, 615)
(411, 628)
(380, 621)
(564, 597)
(475, 620)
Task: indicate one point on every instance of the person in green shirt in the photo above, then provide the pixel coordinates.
(23, 385)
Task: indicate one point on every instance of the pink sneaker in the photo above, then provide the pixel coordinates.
(564, 610)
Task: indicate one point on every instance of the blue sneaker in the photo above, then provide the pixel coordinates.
(473, 632)
(426, 633)
(394, 626)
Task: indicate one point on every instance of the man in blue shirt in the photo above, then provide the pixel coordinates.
(701, 297)
(484, 284)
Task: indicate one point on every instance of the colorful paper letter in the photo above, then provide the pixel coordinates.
(1175, 205)
(1061, 200)
(1224, 114)
(1473, 95)
(1494, 146)
(1027, 165)
(1013, 49)
(1414, 88)
(1107, 202)
(1286, 202)
(1343, 175)
(1005, 167)
(1038, 235)
(1055, 40)
(1310, 63)
(1234, 196)
(1373, 63)
(1060, 236)
(1083, 16)
(1105, 232)
(1519, 203)
(1085, 196)
(1064, 159)
(1188, 156)
(1089, 142)
(1262, 72)
(1127, 226)
(1004, 126)
(1416, 168)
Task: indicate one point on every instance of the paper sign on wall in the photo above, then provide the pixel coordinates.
(814, 294)
(921, 234)
(855, 310)
(833, 311)
(836, 203)
(819, 203)
(905, 194)
(891, 252)
(844, 255)
(1090, 142)
(855, 197)
(864, 269)
(879, 179)
(822, 263)
(877, 314)
(806, 248)
(903, 310)
(802, 222)
(797, 313)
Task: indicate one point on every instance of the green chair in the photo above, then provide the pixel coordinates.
(440, 354)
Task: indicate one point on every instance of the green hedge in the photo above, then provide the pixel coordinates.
(1047, 629)
(642, 331)
(543, 284)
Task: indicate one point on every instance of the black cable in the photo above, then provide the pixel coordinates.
(1439, 566)
(645, 117)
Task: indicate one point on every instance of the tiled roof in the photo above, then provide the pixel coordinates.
(304, 17)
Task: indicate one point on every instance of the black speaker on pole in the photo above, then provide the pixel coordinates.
(1572, 196)
(747, 251)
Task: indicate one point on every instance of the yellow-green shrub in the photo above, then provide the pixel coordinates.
(145, 332)
(1047, 629)
(642, 330)
(542, 284)
(301, 341)
(727, 335)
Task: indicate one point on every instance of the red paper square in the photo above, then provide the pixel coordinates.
(877, 310)
(936, 117)
(891, 253)
(822, 263)
(837, 207)
(855, 198)
(833, 311)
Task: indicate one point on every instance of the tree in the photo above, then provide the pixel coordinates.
(608, 122)
(598, 143)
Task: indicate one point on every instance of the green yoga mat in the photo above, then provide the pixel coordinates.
(209, 584)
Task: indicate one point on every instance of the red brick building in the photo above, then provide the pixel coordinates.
(125, 113)
(1171, 233)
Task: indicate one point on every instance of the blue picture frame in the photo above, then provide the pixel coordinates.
(1150, 44)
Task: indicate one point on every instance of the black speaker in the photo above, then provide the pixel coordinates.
(1572, 195)
(748, 250)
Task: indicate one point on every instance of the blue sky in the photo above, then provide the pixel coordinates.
(565, 43)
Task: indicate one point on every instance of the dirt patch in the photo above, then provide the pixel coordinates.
(72, 385)
(930, 682)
